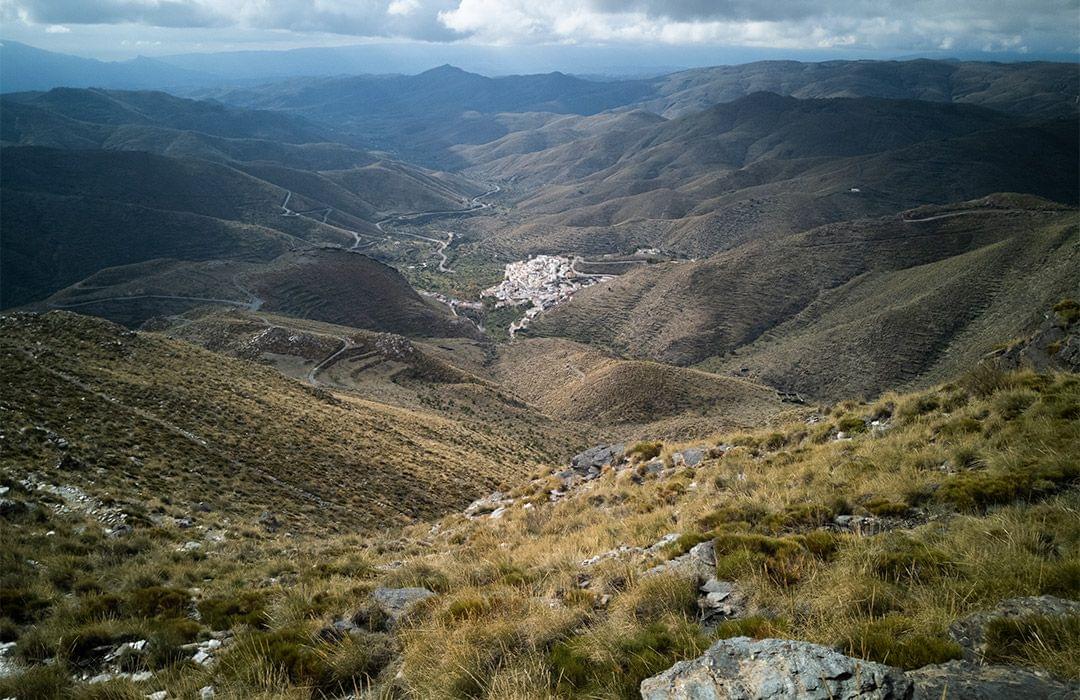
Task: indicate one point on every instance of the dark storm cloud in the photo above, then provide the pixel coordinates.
(160, 13)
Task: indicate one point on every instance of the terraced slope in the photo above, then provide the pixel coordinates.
(629, 398)
(323, 284)
(958, 280)
(141, 413)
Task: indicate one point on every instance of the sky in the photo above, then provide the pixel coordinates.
(113, 29)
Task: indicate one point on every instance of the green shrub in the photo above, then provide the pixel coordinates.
(39, 682)
(851, 424)
(166, 641)
(1014, 640)
(905, 559)
(158, 601)
(355, 661)
(1010, 404)
(228, 611)
(893, 640)
(883, 507)
(645, 450)
(658, 597)
(1068, 311)
(284, 654)
(577, 669)
(784, 560)
(22, 606)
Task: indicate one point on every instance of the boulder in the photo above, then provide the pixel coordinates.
(964, 680)
(395, 603)
(700, 561)
(773, 669)
(970, 632)
(269, 521)
(719, 601)
(597, 458)
(690, 457)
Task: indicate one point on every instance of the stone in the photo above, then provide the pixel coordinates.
(119, 531)
(700, 561)
(771, 669)
(269, 521)
(964, 680)
(597, 457)
(206, 692)
(337, 630)
(498, 513)
(201, 657)
(720, 600)
(970, 632)
(662, 542)
(159, 695)
(141, 676)
(690, 457)
(395, 603)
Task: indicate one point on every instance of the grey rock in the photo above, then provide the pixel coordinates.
(269, 521)
(964, 680)
(776, 668)
(395, 603)
(690, 457)
(721, 600)
(206, 692)
(700, 562)
(597, 457)
(159, 695)
(970, 632)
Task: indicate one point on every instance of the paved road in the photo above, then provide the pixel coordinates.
(965, 212)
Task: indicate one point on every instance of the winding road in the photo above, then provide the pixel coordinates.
(475, 204)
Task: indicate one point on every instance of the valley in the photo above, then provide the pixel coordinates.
(524, 387)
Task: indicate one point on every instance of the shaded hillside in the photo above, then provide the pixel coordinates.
(1035, 89)
(872, 279)
(577, 382)
(423, 116)
(767, 165)
(323, 284)
(70, 213)
(142, 412)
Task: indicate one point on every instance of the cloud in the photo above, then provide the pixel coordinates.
(870, 24)
(158, 13)
(57, 29)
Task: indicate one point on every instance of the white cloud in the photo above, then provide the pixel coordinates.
(57, 29)
(403, 7)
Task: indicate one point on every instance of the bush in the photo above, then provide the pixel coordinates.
(1068, 311)
(893, 640)
(164, 648)
(851, 424)
(38, 682)
(269, 658)
(1010, 404)
(354, 662)
(1014, 640)
(241, 608)
(158, 601)
(754, 627)
(784, 560)
(658, 597)
(645, 450)
(905, 559)
(579, 668)
(22, 606)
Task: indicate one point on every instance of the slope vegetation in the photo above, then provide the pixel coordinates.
(878, 297)
(142, 413)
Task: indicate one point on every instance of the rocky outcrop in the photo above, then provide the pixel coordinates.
(970, 633)
(963, 680)
(700, 561)
(1055, 345)
(396, 603)
(771, 669)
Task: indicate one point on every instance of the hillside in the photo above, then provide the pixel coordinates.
(629, 398)
(1036, 89)
(322, 284)
(847, 308)
(766, 165)
(64, 221)
(830, 530)
(143, 412)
